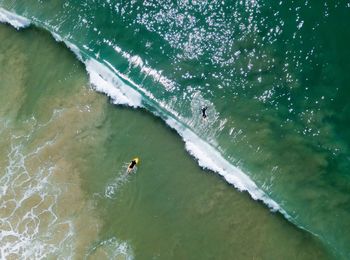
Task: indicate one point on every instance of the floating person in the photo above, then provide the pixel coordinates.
(204, 109)
(132, 164)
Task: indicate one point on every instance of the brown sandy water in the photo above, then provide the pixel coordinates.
(44, 125)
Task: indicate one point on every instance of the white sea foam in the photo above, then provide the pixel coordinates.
(15, 20)
(105, 81)
(22, 228)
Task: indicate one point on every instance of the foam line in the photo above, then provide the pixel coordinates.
(15, 20)
(104, 80)
(70, 45)
(209, 158)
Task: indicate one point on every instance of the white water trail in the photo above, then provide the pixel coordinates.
(113, 185)
(112, 248)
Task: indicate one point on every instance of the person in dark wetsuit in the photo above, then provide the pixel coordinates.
(204, 115)
(131, 165)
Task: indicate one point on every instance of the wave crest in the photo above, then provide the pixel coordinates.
(15, 20)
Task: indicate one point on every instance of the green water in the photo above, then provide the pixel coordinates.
(168, 209)
(274, 76)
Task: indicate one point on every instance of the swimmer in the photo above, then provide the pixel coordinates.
(204, 109)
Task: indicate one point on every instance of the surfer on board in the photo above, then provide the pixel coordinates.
(132, 164)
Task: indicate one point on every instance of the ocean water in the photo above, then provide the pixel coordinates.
(273, 76)
(64, 189)
(65, 192)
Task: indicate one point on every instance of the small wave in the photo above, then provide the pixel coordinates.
(105, 81)
(211, 159)
(136, 61)
(15, 20)
(70, 45)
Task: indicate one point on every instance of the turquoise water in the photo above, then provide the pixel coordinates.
(273, 75)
